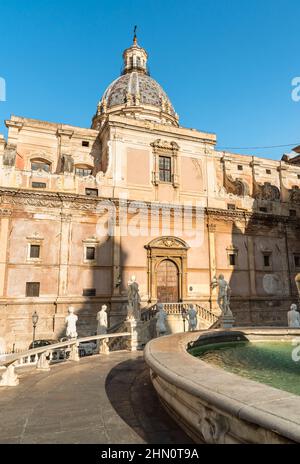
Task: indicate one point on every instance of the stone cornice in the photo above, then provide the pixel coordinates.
(160, 129)
(11, 197)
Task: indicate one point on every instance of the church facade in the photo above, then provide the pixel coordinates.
(82, 210)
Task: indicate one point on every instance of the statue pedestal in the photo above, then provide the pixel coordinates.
(227, 321)
(74, 355)
(136, 340)
(43, 363)
(103, 346)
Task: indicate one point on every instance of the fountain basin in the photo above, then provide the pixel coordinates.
(216, 406)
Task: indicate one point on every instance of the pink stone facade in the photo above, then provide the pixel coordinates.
(105, 189)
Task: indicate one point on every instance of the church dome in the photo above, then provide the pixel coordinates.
(139, 86)
(135, 94)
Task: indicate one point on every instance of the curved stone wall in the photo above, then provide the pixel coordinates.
(215, 406)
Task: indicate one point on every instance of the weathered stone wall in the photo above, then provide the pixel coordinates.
(245, 206)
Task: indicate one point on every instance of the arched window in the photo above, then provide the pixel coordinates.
(83, 170)
(40, 164)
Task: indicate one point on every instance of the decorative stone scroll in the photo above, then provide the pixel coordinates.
(236, 186)
(295, 195)
(266, 191)
(162, 146)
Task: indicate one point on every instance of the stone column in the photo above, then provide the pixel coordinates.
(116, 291)
(117, 311)
(64, 254)
(251, 265)
(135, 328)
(212, 260)
(4, 233)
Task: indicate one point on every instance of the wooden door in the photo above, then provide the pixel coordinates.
(167, 282)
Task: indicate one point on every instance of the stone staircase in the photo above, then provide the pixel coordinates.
(176, 311)
(176, 322)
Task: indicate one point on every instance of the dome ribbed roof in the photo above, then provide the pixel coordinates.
(136, 85)
(135, 94)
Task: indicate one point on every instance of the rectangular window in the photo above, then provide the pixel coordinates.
(266, 260)
(293, 212)
(165, 168)
(232, 260)
(90, 253)
(91, 192)
(32, 288)
(297, 260)
(83, 172)
(89, 292)
(35, 251)
(240, 167)
(40, 166)
(268, 171)
(263, 209)
(85, 143)
(231, 206)
(39, 185)
(298, 176)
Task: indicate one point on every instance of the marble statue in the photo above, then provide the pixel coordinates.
(223, 294)
(71, 320)
(9, 377)
(67, 163)
(293, 317)
(134, 300)
(192, 318)
(9, 155)
(102, 345)
(161, 317)
(102, 320)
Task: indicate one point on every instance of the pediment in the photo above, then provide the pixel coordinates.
(168, 242)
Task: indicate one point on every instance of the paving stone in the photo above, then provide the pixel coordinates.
(99, 400)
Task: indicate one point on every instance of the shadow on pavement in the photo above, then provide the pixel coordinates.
(130, 392)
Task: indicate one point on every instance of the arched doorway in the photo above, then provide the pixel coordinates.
(167, 282)
(167, 269)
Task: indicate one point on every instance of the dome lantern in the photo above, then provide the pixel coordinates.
(135, 58)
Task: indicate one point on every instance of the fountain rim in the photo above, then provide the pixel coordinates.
(257, 403)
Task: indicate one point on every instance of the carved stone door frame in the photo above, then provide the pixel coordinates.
(174, 249)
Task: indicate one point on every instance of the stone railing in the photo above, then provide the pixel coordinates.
(44, 356)
(117, 343)
(149, 313)
(179, 309)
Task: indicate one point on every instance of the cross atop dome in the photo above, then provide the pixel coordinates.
(134, 35)
(135, 57)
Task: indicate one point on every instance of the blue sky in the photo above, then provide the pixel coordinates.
(227, 66)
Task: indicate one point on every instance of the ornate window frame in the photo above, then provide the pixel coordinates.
(232, 250)
(90, 242)
(166, 149)
(267, 252)
(34, 239)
